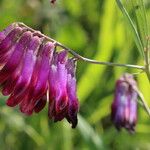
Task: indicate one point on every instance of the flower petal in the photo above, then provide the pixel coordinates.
(41, 84)
(40, 104)
(27, 67)
(73, 106)
(16, 57)
(10, 40)
(124, 107)
(58, 85)
(5, 32)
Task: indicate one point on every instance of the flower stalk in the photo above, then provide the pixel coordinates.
(79, 57)
(147, 61)
(143, 102)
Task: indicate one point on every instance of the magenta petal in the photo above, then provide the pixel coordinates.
(41, 85)
(10, 101)
(61, 92)
(24, 102)
(73, 101)
(133, 109)
(26, 73)
(28, 66)
(25, 97)
(38, 83)
(8, 29)
(73, 106)
(2, 36)
(40, 104)
(10, 84)
(58, 81)
(60, 116)
(4, 33)
(58, 87)
(8, 46)
(62, 57)
(124, 107)
(16, 57)
(10, 39)
(51, 108)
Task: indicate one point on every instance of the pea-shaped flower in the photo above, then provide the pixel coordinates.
(31, 68)
(124, 106)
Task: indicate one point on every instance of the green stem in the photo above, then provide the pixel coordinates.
(76, 55)
(147, 67)
(143, 102)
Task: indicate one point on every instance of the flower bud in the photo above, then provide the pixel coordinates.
(124, 106)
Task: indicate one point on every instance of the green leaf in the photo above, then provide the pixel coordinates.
(88, 133)
(133, 26)
(94, 73)
(103, 109)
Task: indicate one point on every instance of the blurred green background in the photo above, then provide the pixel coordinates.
(95, 29)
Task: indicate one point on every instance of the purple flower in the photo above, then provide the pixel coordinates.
(31, 68)
(39, 84)
(73, 104)
(15, 58)
(124, 107)
(58, 98)
(63, 102)
(6, 31)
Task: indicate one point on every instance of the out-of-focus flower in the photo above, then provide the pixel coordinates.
(52, 1)
(31, 68)
(124, 107)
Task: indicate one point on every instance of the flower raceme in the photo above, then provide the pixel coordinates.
(33, 72)
(124, 107)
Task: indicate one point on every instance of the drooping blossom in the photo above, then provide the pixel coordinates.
(58, 98)
(124, 107)
(63, 102)
(39, 81)
(31, 68)
(73, 104)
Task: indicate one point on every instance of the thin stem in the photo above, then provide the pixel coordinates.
(79, 57)
(144, 103)
(147, 59)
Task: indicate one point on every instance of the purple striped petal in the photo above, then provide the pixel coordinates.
(73, 106)
(41, 85)
(26, 96)
(16, 57)
(58, 86)
(28, 66)
(8, 50)
(38, 80)
(10, 40)
(124, 107)
(133, 110)
(2, 36)
(8, 87)
(4, 33)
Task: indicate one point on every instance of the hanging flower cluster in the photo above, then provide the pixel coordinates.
(124, 107)
(33, 72)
